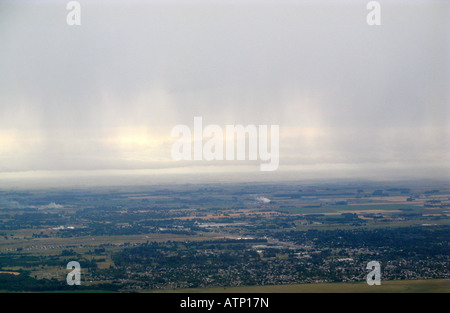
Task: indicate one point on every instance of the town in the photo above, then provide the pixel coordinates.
(156, 238)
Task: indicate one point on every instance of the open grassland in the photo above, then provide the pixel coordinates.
(395, 286)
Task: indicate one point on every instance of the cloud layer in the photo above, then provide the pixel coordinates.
(105, 95)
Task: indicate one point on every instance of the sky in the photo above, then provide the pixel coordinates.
(100, 99)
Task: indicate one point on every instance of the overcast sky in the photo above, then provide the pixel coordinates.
(351, 100)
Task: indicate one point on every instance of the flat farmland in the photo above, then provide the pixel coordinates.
(349, 208)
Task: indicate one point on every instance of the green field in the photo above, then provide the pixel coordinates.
(397, 286)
